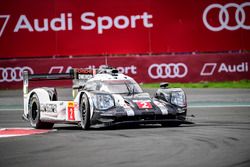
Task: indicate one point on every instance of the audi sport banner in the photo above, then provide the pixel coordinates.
(32, 28)
(184, 68)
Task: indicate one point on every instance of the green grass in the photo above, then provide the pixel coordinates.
(227, 84)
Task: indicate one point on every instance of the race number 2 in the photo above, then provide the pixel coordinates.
(71, 111)
(144, 105)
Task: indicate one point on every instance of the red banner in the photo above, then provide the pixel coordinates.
(183, 68)
(32, 28)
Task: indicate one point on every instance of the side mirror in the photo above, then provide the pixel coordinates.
(164, 85)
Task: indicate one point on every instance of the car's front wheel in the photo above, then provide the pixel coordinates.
(85, 112)
(34, 114)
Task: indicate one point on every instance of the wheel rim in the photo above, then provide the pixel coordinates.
(34, 111)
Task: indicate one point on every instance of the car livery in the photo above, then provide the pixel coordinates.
(102, 97)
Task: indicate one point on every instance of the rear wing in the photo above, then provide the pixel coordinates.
(79, 76)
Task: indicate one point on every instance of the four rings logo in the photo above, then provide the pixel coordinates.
(13, 74)
(170, 70)
(223, 16)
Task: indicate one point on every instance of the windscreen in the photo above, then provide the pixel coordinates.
(121, 87)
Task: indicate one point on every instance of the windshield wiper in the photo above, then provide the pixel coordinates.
(129, 89)
(133, 91)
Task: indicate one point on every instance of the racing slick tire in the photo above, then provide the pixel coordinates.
(171, 124)
(85, 112)
(34, 114)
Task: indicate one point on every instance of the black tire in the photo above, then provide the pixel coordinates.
(85, 112)
(171, 124)
(34, 114)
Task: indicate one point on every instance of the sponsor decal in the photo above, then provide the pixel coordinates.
(171, 70)
(123, 69)
(128, 69)
(62, 23)
(52, 108)
(119, 22)
(209, 69)
(85, 71)
(71, 111)
(58, 69)
(13, 74)
(243, 67)
(85, 74)
(89, 21)
(224, 16)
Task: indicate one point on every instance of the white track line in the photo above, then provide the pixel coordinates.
(13, 109)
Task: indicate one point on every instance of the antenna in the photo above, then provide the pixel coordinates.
(106, 61)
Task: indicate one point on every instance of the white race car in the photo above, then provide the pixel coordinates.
(102, 97)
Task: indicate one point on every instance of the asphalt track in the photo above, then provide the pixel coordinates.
(220, 137)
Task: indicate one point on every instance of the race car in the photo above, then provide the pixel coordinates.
(102, 97)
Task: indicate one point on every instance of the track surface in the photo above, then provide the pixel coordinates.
(220, 137)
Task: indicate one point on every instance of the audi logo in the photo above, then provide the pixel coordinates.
(171, 70)
(13, 74)
(223, 17)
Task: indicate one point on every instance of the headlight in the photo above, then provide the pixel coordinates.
(178, 98)
(103, 101)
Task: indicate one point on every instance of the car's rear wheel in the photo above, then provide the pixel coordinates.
(171, 124)
(85, 112)
(34, 114)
